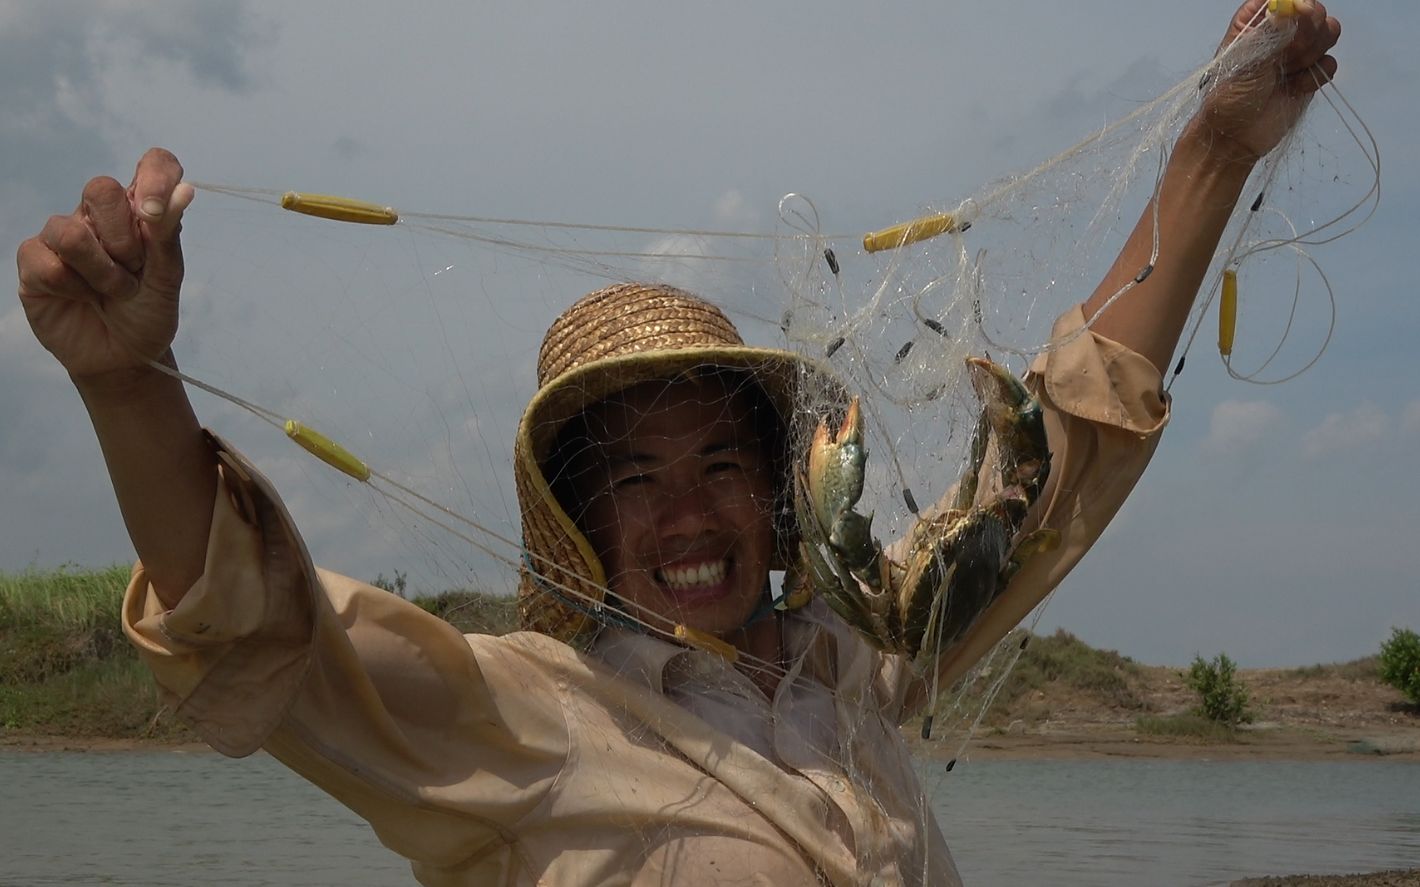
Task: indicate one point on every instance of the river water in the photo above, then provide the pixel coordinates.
(173, 818)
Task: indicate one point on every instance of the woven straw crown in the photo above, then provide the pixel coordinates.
(608, 341)
(630, 318)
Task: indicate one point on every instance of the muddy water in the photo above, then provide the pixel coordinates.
(1176, 822)
(169, 818)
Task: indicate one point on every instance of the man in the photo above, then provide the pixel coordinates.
(651, 480)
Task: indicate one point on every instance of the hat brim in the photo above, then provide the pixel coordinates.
(781, 374)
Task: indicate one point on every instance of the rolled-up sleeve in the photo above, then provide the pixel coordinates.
(1104, 409)
(443, 742)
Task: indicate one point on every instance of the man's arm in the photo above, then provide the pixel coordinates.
(1096, 463)
(100, 289)
(1243, 118)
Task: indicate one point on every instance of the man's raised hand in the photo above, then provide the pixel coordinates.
(100, 286)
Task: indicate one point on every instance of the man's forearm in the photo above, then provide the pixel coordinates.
(163, 472)
(1201, 186)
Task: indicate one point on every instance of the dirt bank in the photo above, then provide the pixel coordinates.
(1105, 710)
(1391, 878)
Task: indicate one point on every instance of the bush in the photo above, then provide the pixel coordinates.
(1223, 697)
(398, 585)
(1400, 662)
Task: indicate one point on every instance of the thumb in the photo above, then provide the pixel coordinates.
(162, 265)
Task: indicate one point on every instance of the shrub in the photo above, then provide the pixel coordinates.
(398, 585)
(1400, 662)
(1223, 697)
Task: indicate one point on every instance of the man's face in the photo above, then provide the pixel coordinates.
(678, 502)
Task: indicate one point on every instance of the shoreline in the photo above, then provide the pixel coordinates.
(1268, 741)
(1266, 744)
(1280, 746)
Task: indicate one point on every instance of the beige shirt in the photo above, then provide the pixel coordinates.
(518, 760)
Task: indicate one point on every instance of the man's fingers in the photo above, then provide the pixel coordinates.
(75, 244)
(42, 273)
(1312, 10)
(1249, 15)
(1313, 78)
(164, 268)
(105, 205)
(178, 203)
(158, 173)
(159, 196)
(1315, 35)
(1328, 32)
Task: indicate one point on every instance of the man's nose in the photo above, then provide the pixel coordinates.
(685, 511)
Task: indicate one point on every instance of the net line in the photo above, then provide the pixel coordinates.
(895, 325)
(807, 241)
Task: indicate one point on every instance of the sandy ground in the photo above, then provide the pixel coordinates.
(1298, 714)
(1391, 878)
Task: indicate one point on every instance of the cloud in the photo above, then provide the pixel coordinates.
(691, 261)
(58, 60)
(1367, 423)
(1410, 418)
(733, 211)
(1237, 424)
(347, 148)
(209, 40)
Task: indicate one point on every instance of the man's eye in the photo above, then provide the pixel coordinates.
(722, 467)
(630, 481)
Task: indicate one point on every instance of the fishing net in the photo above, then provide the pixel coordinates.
(414, 345)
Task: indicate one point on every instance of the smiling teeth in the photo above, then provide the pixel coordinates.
(708, 573)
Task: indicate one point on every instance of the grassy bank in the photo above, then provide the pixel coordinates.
(67, 670)
(65, 667)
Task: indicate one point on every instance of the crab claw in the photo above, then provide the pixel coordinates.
(835, 470)
(1015, 416)
(995, 384)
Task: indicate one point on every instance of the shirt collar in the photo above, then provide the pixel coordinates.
(635, 656)
(647, 659)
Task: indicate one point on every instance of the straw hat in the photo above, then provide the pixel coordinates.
(608, 341)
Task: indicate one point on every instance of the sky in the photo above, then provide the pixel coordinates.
(1276, 524)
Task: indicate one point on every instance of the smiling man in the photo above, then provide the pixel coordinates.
(676, 493)
(653, 476)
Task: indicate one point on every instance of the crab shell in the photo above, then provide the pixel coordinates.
(957, 562)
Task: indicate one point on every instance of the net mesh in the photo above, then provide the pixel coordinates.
(416, 348)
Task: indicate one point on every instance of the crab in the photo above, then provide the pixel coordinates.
(956, 562)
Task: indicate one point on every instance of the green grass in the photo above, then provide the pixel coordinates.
(69, 597)
(65, 667)
(1049, 665)
(474, 612)
(471, 612)
(67, 670)
(1185, 726)
(113, 699)
(1366, 668)
(1064, 660)
(52, 622)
